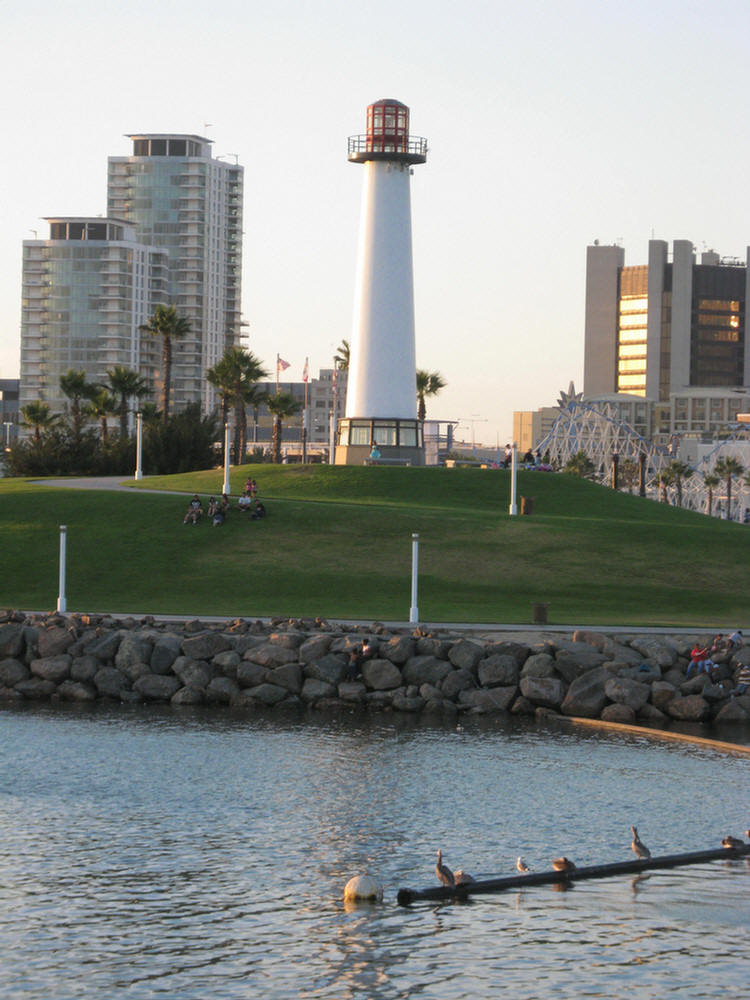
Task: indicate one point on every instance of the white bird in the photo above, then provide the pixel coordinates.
(639, 848)
(522, 866)
(443, 872)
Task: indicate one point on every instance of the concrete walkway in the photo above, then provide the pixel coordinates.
(104, 483)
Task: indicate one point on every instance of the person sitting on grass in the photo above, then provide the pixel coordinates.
(194, 511)
(258, 511)
(212, 507)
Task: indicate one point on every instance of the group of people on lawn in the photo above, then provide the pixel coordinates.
(218, 509)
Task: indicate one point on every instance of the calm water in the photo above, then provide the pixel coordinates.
(152, 854)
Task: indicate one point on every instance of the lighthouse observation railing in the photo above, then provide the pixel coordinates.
(412, 145)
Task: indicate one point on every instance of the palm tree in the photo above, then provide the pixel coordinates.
(341, 357)
(710, 481)
(579, 465)
(236, 376)
(629, 474)
(428, 384)
(39, 416)
(666, 479)
(283, 404)
(728, 467)
(103, 405)
(680, 471)
(166, 323)
(125, 382)
(74, 385)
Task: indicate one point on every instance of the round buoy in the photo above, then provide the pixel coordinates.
(363, 888)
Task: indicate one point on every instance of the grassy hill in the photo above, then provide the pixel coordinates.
(337, 543)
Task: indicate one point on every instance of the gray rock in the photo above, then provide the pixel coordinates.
(586, 696)
(662, 653)
(580, 652)
(206, 645)
(627, 692)
(546, 691)
(425, 670)
(466, 654)
(498, 670)
(569, 668)
(539, 665)
(156, 687)
(288, 676)
(36, 688)
(84, 668)
(618, 713)
(330, 668)
(428, 692)
(12, 672)
(314, 689)
(314, 648)
(193, 673)
(52, 668)
(188, 696)
(135, 669)
(518, 650)
(646, 672)
(495, 699)
(105, 647)
(405, 703)
(227, 663)
(457, 681)
(379, 700)
(692, 708)
(268, 655)
(651, 714)
(267, 694)
(381, 675)
(77, 691)
(221, 691)
(11, 640)
(165, 652)
(54, 641)
(398, 649)
(110, 682)
(250, 674)
(662, 693)
(352, 691)
(522, 706)
(133, 649)
(732, 712)
(430, 646)
(291, 640)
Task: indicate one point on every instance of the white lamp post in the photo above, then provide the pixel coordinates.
(414, 610)
(61, 602)
(138, 445)
(226, 487)
(513, 511)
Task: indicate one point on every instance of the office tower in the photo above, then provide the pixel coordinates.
(86, 290)
(674, 325)
(381, 397)
(189, 203)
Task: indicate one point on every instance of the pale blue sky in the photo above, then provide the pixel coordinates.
(550, 125)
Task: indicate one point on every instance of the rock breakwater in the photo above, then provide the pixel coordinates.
(303, 663)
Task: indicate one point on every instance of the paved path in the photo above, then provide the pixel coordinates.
(103, 483)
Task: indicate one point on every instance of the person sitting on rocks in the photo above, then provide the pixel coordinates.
(735, 641)
(742, 680)
(194, 511)
(357, 657)
(699, 660)
(244, 501)
(720, 651)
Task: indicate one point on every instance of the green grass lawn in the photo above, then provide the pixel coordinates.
(337, 543)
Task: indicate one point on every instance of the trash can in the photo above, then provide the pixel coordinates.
(527, 505)
(539, 613)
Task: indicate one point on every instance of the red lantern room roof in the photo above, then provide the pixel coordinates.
(387, 136)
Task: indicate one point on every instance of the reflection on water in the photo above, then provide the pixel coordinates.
(194, 854)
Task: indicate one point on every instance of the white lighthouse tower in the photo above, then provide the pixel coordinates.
(381, 397)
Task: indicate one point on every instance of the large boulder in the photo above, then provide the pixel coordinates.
(539, 665)
(290, 640)
(165, 652)
(314, 648)
(249, 675)
(507, 647)
(156, 687)
(430, 646)
(288, 676)
(221, 691)
(331, 668)
(457, 681)
(110, 682)
(352, 691)
(77, 691)
(545, 691)
(466, 654)
(580, 653)
(193, 673)
(618, 713)
(398, 649)
(11, 640)
(267, 694)
(407, 703)
(133, 649)
(314, 689)
(651, 648)
(13, 672)
(270, 655)
(381, 675)
(586, 696)
(498, 670)
(54, 641)
(36, 688)
(52, 668)
(626, 692)
(104, 647)
(226, 663)
(84, 668)
(206, 645)
(732, 712)
(188, 696)
(662, 693)
(692, 708)
(482, 700)
(425, 670)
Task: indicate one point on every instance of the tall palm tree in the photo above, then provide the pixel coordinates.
(283, 404)
(166, 323)
(710, 481)
(236, 376)
(680, 471)
(341, 357)
(74, 385)
(125, 382)
(103, 404)
(666, 479)
(726, 468)
(428, 384)
(39, 416)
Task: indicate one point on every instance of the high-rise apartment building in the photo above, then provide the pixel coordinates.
(86, 290)
(672, 326)
(189, 203)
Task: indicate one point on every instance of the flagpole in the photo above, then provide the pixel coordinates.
(277, 374)
(304, 416)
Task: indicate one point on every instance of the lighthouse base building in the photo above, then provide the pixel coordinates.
(380, 424)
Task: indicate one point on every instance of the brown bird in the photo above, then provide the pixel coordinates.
(563, 865)
(639, 848)
(463, 878)
(522, 866)
(732, 842)
(443, 872)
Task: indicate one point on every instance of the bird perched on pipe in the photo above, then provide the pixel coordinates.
(463, 878)
(563, 865)
(443, 872)
(732, 842)
(522, 866)
(639, 848)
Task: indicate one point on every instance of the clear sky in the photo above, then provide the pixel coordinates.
(550, 124)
